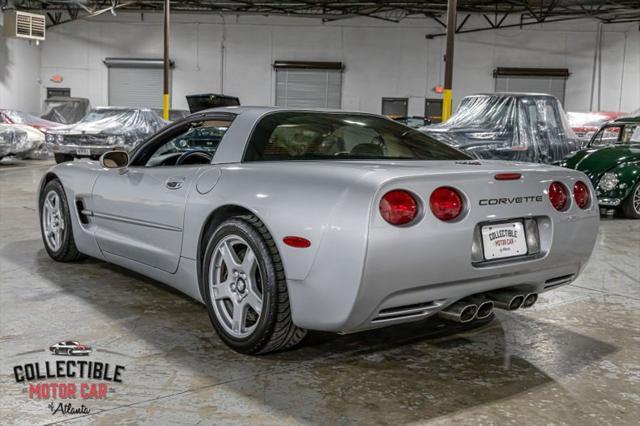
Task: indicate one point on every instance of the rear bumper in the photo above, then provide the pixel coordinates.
(609, 202)
(432, 273)
(405, 305)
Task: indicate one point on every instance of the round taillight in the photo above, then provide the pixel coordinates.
(446, 203)
(581, 194)
(558, 196)
(398, 207)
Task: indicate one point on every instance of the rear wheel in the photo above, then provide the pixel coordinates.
(62, 158)
(631, 205)
(55, 224)
(246, 292)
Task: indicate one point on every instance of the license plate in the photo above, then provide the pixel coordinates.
(83, 151)
(504, 240)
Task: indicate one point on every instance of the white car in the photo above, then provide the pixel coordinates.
(70, 347)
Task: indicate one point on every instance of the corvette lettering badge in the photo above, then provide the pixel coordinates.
(512, 200)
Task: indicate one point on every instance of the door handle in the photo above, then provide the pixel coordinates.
(174, 182)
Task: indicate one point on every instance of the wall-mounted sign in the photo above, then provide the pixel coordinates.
(57, 78)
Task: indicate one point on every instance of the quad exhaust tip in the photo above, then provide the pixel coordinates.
(530, 300)
(481, 306)
(468, 309)
(485, 309)
(507, 299)
(485, 306)
(461, 311)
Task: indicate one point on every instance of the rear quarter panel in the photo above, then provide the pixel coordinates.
(329, 209)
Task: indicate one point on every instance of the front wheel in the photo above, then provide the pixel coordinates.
(631, 205)
(55, 224)
(246, 292)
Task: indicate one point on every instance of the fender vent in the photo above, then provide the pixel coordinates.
(81, 212)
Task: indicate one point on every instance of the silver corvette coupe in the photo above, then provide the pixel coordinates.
(283, 221)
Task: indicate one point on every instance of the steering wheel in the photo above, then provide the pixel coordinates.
(195, 156)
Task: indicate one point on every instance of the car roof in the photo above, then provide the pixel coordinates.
(623, 120)
(118, 108)
(513, 94)
(243, 109)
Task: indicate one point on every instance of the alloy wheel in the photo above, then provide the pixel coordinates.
(235, 285)
(53, 220)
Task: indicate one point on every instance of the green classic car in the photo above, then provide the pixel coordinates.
(611, 159)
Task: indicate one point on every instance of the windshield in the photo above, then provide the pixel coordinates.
(19, 117)
(485, 112)
(335, 136)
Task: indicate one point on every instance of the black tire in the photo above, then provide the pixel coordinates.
(274, 329)
(67, 252)
(62, 158)
(627, 206)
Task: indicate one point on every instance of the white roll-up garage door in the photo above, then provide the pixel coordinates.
(135, 83)
(308, 88)
(532, 80)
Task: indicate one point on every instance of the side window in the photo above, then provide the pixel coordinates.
(606, 136)
(197, 144)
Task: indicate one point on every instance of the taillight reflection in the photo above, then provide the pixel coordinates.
(581, 194)
(558, 196)
(446, 203)
(398, 207)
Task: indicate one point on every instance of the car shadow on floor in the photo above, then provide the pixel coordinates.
(397, 374)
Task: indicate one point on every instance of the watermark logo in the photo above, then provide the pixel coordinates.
(66, 379)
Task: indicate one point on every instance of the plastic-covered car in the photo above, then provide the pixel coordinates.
(65, 110)
(527, 127)
(12, 116)
(585, 124)
(612, 162)
(13, 141)
(103, 129)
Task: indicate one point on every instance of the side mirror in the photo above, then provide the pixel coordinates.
(114, 159)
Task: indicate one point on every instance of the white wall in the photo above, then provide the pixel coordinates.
(382, 59)
(19, 73)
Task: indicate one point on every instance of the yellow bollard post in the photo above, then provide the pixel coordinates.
(447, 97)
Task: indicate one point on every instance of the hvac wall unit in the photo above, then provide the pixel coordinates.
(29, 26)
(135, 83)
